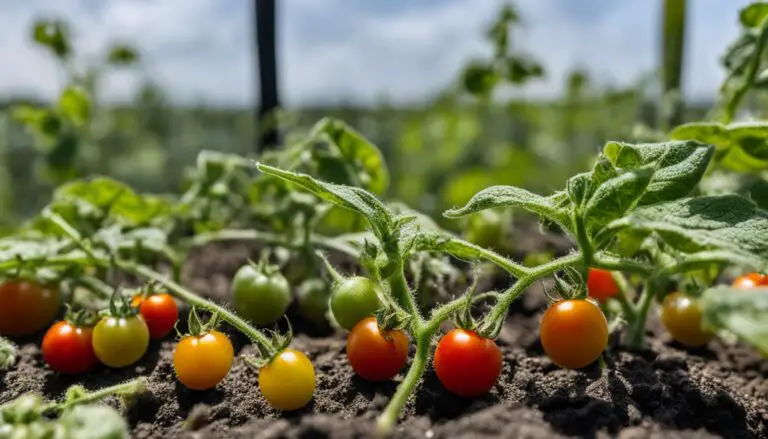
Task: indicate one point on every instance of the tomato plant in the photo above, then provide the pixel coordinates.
(467, 364)
(574, 333)
(159, 311)
(353, 299)
(68, 345)
(288, 380)
(601, 285)
(204, 356)
(681, 315)
(374, 354)
(260, 293)
(27, 307)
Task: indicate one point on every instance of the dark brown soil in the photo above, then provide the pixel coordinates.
(664, 392)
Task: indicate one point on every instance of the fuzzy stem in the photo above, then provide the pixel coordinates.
(462, 249)
(626, 305)
(733, 101)
(402, 293)
(193, 299)
(636, 334)
(388, 418)
(128, 388)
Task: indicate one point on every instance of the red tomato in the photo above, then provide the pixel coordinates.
(601, 285)
(373, 355)
(751, 280)
(27, 307)
(467, 364)
(574, 333)
(67, 348)
(159, 311)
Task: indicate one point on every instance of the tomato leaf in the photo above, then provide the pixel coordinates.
(355, 149)
(754, 14)
(75, 104)
(617, 196)
(743, 146)
(93, 421)
(356, 199)
(122, 55)
(510, 196)
(739, 311)
(677, 166)
(726, 222)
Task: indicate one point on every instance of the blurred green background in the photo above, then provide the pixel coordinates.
(476, 130)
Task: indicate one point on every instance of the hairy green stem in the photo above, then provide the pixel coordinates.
(464, 250)
(627, 307)
(129, 388)
(402, 293)
(193, 299)
(732, 103)
(636, 334)
(585, 244)
(389, 417)
(613, 263)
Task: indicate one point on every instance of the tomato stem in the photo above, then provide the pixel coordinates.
(627, 308)
(636, 334)
(193, 299)
(460, 249)
(402, 293)
(126, 389)
(273, 239)
(388, 418)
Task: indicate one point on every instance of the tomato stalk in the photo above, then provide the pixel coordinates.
(636, 330)
(273, 239)
(77, 395)
(193, 299)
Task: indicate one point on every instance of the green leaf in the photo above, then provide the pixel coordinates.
(54, 35)
(352, 198)
(617, 196)
(93, 421)
(727, 222)
(677, 166)
(578, 188)
(75, 105)
(356, 150)
(122, 55)
(510, 196)
(754, 14)
(742, 312)
(480, 78)
(743, 145)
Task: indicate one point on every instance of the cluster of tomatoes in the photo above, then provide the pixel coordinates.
(681, 313)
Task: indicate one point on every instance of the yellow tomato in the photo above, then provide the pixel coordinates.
(288, 381)
(202, 361)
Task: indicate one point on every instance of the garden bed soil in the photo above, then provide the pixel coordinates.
(662, 392)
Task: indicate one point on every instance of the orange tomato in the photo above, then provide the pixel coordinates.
(574, 333)
(202, 361)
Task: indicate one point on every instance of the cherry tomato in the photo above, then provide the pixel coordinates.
(288, 381)
(601, 285)
(681, 316)
(120, 341)
(313, 296)
(467, 364)
(574, 333)
(68, 348)
(374, 355)
(159, 311)
(27, 307)
(354, 299)
(751, 280)
(260, 295)
(202, 361)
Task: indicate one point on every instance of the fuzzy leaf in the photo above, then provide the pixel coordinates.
(509, 196)
(614, 198)
(358, 150)
(740, 312)
(678, 166)
(352, 198)
(690, 225)
(93, 421)
(754, 14)
(744, 145)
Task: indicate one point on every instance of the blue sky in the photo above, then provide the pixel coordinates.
(356, 50)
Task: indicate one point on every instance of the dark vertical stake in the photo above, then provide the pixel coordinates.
(269, 136)
(673, 51)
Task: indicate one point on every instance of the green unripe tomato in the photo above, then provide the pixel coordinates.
(313, 296)
(260, 294)
(486, 229)
(354, 299)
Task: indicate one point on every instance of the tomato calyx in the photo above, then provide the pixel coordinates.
(278, 342)
(80, 318)
(463, 315)
(119, 306)
(195, 325)
(569, 285)
(390, 318)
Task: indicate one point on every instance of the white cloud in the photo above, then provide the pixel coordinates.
(347, 50)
